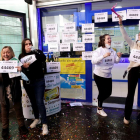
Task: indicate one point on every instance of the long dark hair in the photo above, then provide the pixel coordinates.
(23, 47)
(102, 40)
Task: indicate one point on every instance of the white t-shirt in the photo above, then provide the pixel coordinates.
(103, 66)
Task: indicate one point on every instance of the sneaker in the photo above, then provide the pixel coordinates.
(35, 122)
(23, 130)
(126, 121)
(101, 112)
(44, 129)
(5, 133)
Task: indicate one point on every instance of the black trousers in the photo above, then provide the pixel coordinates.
(133, 76)
(104, 86)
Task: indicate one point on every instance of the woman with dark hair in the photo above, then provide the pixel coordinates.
(35, 88)
(133, 72)
(11, 92)
(104, 58)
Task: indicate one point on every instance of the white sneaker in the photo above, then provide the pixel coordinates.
(35, 122)
(126, 121)
(45, 129)
(101, 112)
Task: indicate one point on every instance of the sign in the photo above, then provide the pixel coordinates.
(117, 44)
(52, 98)
(8, 66)
(88, 38)
(70, 26)
(121, 13)
(101, 17)
(53, 47)
(51, 28)
(87, 55)
(15, 74)
(87, 28)
(52, 38)
(133, 13)
(69, 37)
(49, 80)
(64, 47)
(53, 66)
(72, 66)
(108, 61)
(78, 46)
(135, 55)
(28, 59)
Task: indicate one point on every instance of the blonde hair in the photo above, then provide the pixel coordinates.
(11, 50)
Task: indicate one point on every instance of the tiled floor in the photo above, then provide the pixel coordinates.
(81, 123)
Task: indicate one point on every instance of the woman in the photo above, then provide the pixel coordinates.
(11, 91)
(104, 58)
(35, 88)
(133, 73)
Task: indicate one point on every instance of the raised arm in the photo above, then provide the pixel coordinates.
(124, 34)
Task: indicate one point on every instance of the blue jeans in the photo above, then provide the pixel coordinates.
(35, 91)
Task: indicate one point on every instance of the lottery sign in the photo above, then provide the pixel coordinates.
(8, 66)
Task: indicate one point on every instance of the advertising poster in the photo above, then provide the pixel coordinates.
(72, 66)
(72, 81)
(52, 98)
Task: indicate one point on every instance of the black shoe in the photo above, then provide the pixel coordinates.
(23, 130)
(5, 133)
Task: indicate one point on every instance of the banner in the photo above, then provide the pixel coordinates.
(52, 98)
(72, 66)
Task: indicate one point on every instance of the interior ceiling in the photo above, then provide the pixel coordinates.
(97, 4)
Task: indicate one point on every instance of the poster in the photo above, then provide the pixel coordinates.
(70, 27)
(52, 38)
(51, 28)
(78, 46)
(69, 37)
(71, 81)
(117, 44)
(88, 38)
(87, 55)
(101, 17)
(52, 98)
(133, 13)
(72, 66)
(88, 28)
(121, 13)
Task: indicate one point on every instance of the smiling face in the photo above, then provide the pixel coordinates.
(6, 54)
(28, 45)
(108, 40)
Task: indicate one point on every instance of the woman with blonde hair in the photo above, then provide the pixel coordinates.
(11, 92)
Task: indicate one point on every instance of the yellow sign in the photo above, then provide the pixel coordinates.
(72, 65)
(75, 86)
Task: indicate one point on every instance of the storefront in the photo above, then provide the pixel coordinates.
(77, 83)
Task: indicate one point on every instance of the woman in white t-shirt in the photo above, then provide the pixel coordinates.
(104, 58)
(133, 72)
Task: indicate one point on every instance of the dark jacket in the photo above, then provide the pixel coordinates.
(15, 88)
(35, 70)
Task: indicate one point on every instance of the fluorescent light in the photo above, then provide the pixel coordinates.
(82, 11)
(95, 27)
(116, 26)
(118, 7)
